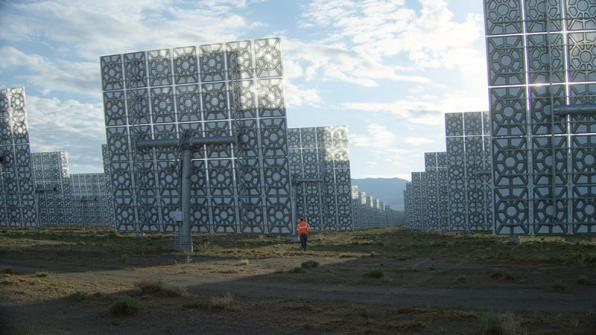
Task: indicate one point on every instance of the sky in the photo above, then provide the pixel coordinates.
(387, 69)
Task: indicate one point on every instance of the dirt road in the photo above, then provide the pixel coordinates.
(405, 281)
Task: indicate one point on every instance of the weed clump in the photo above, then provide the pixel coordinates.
(9, 271)
(125, 305)
(310, 265)
(223, 303)
(376, 274)
(461, 279)
(502, 275)
(77, 296)
(195, 305)
(584, 281)
(559, 286)
(583, 259)
(297, 270)
(500, 324)
(147, 287)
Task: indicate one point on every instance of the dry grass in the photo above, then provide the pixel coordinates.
(125, 305)
(560, 286)
(502, 275)
(584, 281)
(375, 274)
(404, 256)
(77, 296)
(226, 302)
(310, 264)
(148, 287)
(501, 324)
(9, 271)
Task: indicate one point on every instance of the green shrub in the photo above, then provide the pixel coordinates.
(77, 296)
(9, 271)
(500, 324)
(310, 264)
(223, 303)
(559, 286)
(377, 274)
(125, 305)
(584, 281)
(502, 275)
(195, 305)
(158, 288)
(297, 270)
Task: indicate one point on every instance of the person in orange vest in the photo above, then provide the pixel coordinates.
(303, 229)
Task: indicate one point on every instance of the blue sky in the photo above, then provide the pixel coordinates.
(388, 70)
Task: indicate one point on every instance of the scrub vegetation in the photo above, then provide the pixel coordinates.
(383, 281)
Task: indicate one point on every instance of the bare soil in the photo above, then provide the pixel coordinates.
(386, 281)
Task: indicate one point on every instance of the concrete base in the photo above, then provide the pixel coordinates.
(184, 243)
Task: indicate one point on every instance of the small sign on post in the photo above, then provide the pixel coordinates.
(176, 216)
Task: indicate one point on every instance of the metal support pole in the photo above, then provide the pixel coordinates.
(184, 241)
(184, 237)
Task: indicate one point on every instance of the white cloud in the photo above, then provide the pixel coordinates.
(377, 136)
(296, 96)
(93, 28)
(384, 28)
(334, 62)
(78, 33)
(424, 110)
(52, 76)
(389, 152)
(417, 141)
(69, 125)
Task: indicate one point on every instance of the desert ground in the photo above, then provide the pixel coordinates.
(383, 281)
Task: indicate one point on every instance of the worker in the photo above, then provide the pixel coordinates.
(302, 229)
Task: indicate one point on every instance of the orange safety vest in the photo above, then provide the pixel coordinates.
(303, 228)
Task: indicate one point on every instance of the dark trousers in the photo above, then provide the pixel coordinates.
(303, 239)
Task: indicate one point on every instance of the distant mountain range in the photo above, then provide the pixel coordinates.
(388, 190)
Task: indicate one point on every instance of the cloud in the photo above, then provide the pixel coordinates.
(296, 96)
(52, 76)
(377, 136)
(337, 63)
(90, 28)
(76, 34)
(427, 110)
(384, 28)
(390, 153)
(417, 141)
(70, 125)
(412, 110)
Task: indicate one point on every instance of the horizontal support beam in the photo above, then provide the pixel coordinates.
(85, 199)
(575, 109)
(46, 189)
(482, 173)
(192, 142)
(296, 181)
(195, 141)
(157, 143)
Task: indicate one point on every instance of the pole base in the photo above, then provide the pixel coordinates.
(184, 248)
(184, 243)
